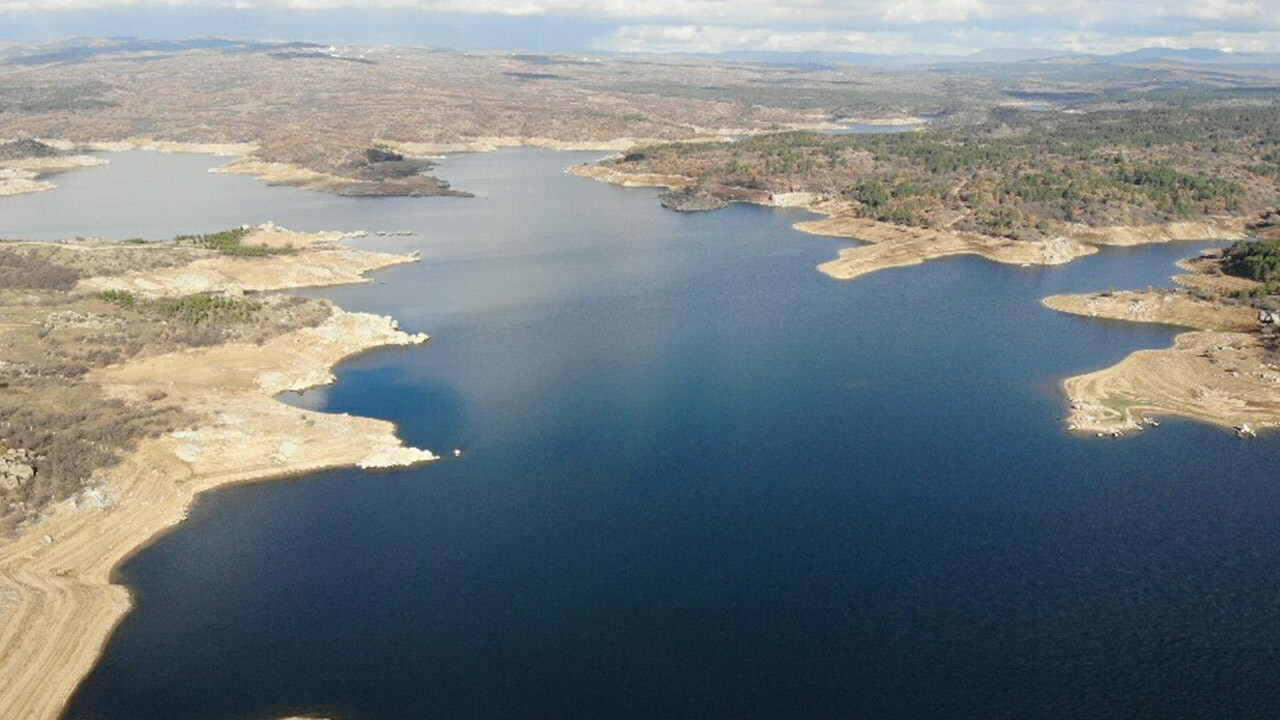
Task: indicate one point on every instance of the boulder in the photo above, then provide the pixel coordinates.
(692, 199)
(16, 468)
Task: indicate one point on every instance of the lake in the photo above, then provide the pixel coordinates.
(700, 480)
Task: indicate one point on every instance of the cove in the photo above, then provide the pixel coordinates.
(701, 480)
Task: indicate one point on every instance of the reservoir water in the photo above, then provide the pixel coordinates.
(701, 480)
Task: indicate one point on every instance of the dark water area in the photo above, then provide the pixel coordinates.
(701, 480)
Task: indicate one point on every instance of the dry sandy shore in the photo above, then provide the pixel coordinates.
(1220, 373)
(28, 174)
(275, 173)
(890, 246)
(324, 262)
(57, 604)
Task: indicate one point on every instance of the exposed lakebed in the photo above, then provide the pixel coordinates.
(701, 479)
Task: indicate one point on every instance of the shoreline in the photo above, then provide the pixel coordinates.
(885, 245)
(28, 175)
(243, 159)
(58, 606)
(1219, 372)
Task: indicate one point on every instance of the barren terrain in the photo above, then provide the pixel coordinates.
(1226, 372)
(184, 386)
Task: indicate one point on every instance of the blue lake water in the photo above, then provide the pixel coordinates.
(701, 480)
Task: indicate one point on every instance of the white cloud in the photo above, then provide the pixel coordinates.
(854, 25)
(756, 12)
(1224, 9)
(710, 38)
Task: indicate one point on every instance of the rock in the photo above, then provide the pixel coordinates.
(27, 148)
(1266, 225)
(399, 456)
(793, 199)
(17, 466)
(691, 200)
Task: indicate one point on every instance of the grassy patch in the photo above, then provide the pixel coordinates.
(192, 309)
(231, 242)
(120, 298)
(197, 309)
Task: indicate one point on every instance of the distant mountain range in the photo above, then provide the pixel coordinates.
(74, 49)
(1190, 56)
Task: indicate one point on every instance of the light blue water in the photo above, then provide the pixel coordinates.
(701, 480)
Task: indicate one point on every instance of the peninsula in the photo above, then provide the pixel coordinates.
(1021, 187)
(137, 375)
(1225, 371)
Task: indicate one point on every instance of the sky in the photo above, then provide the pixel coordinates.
(846, 26)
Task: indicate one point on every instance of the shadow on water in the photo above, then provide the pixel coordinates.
(701, 480)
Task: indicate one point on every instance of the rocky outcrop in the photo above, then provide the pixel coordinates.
(1266, 225)
(15, 181)
(17, 466)
(387, 179)
(27, 148)
(25, 161)
(396, 456)
(692, 199)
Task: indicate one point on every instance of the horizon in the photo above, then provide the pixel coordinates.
(1001, 54)
(870, 27)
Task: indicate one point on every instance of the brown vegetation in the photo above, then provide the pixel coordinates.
(51, 339)
(1020, 176)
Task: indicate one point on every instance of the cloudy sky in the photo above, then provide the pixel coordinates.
(856, 26)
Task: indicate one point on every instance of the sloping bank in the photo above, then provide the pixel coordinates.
(57, 603)
(1224, 372)
(886, 245)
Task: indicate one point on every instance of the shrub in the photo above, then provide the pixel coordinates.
(196, 309)
(120, 298)
(19, 270)
(230, 242)
(1254, 259)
